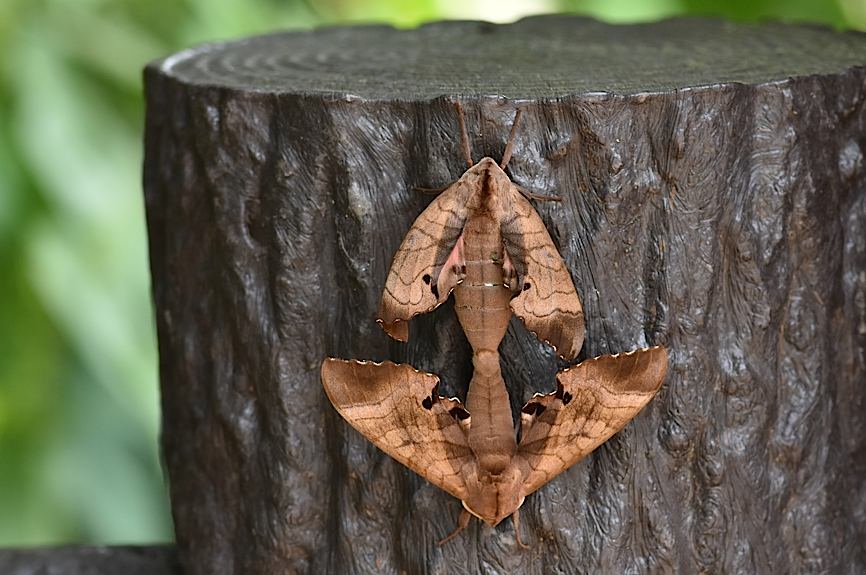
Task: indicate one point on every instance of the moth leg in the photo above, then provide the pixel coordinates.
(464, 135)
(540, 197)
(515, 518)
(462, 523)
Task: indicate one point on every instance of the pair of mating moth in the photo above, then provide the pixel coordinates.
(482, 240)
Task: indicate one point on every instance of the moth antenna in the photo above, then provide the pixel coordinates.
(464, 135)
(506, 155)
(429, 191)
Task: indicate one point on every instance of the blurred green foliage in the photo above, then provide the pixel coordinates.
(78, 369)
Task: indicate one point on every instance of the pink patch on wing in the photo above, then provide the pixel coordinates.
(452, 271)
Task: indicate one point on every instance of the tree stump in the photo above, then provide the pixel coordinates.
(714, 202)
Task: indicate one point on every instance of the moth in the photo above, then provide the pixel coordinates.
(481, 239)
(399, 409)
(484, 219)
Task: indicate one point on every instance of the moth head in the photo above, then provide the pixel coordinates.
(485, 163)
(488, 178)
(495, 496)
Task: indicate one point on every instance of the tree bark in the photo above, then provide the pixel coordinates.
(714, 202)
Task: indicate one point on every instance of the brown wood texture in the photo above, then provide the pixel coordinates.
(714, 202)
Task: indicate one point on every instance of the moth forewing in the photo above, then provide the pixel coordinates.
(398, 409)
(593, 401)
(413, 284)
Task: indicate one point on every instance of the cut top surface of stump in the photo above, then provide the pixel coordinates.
(539, 57)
